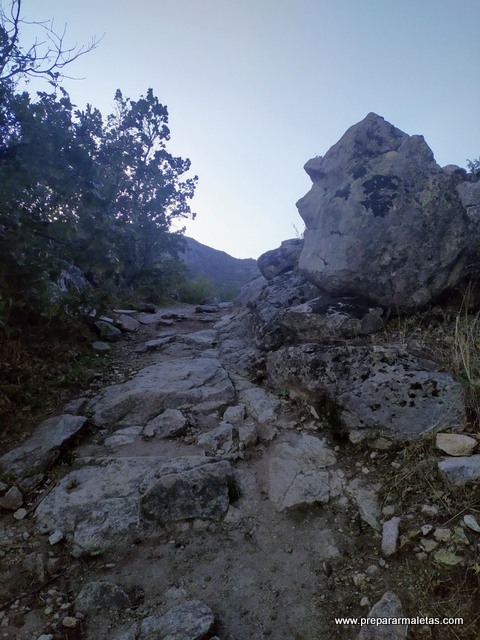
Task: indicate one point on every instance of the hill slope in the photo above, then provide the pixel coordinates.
(226, 273)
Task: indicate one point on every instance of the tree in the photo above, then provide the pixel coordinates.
(47, 57)
(99, 193)
(143, 187)
(474, 167)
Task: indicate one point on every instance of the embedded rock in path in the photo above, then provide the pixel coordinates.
(199, 384)
(326, 318)
(460, 471)
(384, 389)
(12, 500)
(190, 620)
(203, 339)
(101, 595)
(43, 447)
(169, 424)
(123, 436)
(260, 405)
(389, 606)
(281, 260)
(104, 503)
(155, 344)
(125, 322)
(298, 473)
(148, 318)
(222, 439)
(97, 505)
(107, 331)
(390, 535)
(187, 488)
(100, 346)
(365, 496)
(383, 220)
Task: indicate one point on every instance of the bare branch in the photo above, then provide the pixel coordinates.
(45, 58)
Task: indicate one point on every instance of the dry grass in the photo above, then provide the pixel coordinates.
(426, 587)
(39, 370)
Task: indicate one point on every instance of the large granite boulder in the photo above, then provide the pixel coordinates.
(383, 220)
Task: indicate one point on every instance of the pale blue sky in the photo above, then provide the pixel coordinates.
(255, 88)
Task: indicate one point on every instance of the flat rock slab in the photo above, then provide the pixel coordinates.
(42, 449)
(202, 339)
(123, 436)
(298, 475)
(189, 488)
(104, 502)
(154, 345)
(460, 471)
(98, 504)
(199, 384)
(148, 318)
(169, 424)
(376, 387)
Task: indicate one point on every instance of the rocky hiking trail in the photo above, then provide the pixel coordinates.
(178, 499)
(174, 492)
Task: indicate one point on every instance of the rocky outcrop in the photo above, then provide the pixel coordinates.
(282, 260)
(279, 293)
(383, 220)
(325, 318)
(363, 387)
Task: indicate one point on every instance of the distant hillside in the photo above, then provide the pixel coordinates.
(226, 273)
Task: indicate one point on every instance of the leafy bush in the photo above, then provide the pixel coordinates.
(196, 290)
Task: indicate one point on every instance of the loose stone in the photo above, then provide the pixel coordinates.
(471, 523)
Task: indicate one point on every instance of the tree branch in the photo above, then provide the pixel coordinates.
(45, 59)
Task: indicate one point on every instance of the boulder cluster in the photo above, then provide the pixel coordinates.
(387, 233)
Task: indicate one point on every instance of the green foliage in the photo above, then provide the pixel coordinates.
(196, 290)
(101, 194)
(474, 167)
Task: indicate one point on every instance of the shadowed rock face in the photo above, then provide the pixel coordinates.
(383, 220)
